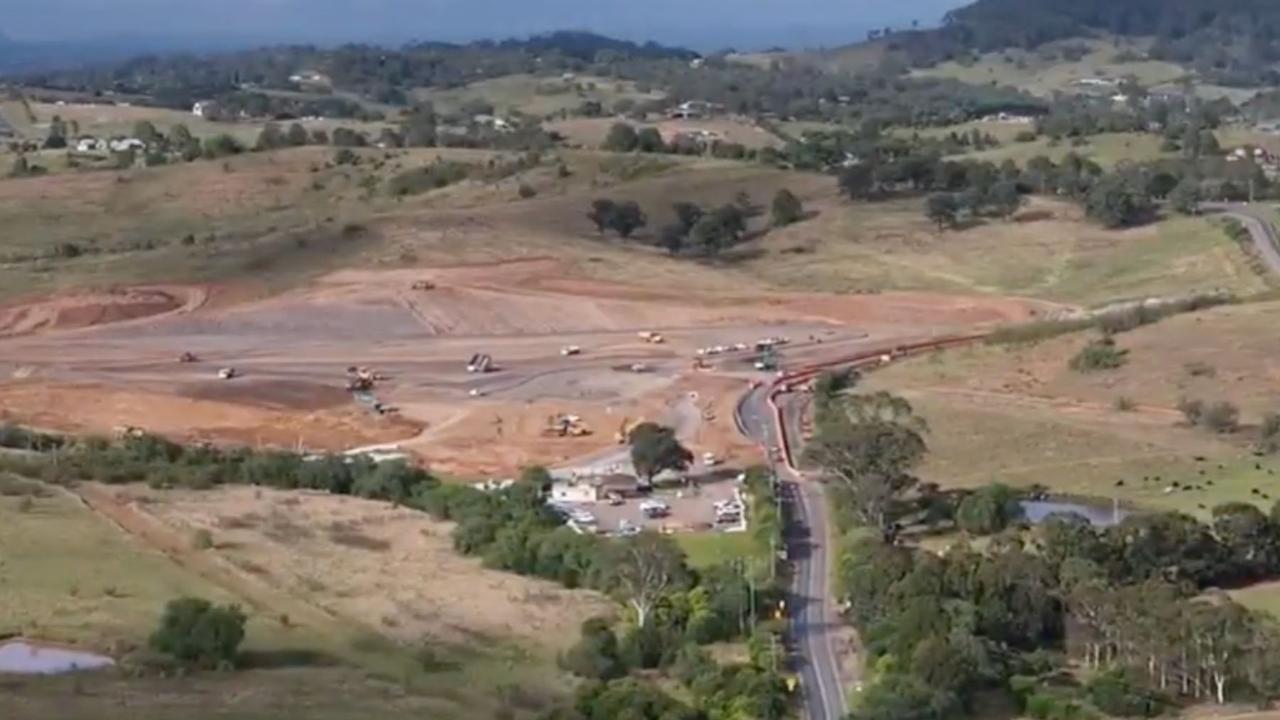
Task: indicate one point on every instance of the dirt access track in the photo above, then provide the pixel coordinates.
(101, 366)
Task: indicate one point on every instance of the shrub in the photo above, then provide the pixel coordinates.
(1192, 410)
(1200, 369)
(1269, 433)
(1100, 354)
(595, 655)
(202, 539)
(526, 191)
(1114, 694)
(988, 510)
(431, 177)
(1221, 417)
(1124, 404)
(195, 632)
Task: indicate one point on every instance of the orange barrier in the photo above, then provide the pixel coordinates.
(866, 357)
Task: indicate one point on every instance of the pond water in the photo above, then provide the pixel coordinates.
(26, 658)
(1037, 510)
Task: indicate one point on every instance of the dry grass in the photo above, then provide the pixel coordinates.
(1049, 252)
(1018, 415)
(537, 96)
(591, 132)
(1043, 71)
(393, 568)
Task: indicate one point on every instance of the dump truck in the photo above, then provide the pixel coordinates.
(569, 350)
(228, 373)
(480, 363)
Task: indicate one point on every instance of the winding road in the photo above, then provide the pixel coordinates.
(1258, 223)
(813, 617)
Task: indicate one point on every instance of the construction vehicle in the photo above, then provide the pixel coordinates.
(188, 357)
(423, 285)
(228, 373)
(565, 426)
(479, 363)
(768, 360)
(700, 364)
(651, 337)
(639, 367)
(569, 350)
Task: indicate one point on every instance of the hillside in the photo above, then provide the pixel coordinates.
(1233, 43)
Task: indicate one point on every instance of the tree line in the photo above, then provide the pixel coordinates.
(694, 229)
(674, 609)
(1134, 603)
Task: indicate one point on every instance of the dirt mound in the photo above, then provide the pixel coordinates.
(88, 309)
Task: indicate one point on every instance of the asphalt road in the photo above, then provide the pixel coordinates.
(1259, 227)
(813, 618)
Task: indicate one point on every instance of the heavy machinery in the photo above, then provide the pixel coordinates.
(480, 363)
(565, 426)
(228, 373)
(423, 285)
(651, 337)
(569, 350)
(768, 360)
(188, 357)
(700, 364)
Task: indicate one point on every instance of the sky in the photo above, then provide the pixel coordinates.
(700, 24)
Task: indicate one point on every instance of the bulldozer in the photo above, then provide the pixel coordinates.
(565, 426)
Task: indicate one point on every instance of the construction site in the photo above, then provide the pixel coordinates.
(472, 370)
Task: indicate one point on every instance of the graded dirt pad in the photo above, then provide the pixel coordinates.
(99, 409)
(293, 350)
(87, 309)
(395, 569)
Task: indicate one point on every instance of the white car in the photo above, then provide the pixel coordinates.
(582, 517)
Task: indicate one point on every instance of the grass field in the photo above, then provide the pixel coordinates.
(1019, 415)
(1107, 149)
(1044, 70)
(714, 548)
(535, 95)
(71, 576)
(1050, 252)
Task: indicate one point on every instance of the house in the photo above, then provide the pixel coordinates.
(594, 489)
(309, 77)
(89, 144)
(692, 110)
(127, 144)
(494, 122)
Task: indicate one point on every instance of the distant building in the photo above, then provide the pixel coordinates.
(126, 144)
(494, 122)
(594, 489)
(89, 144)
(692, 110)
(204, 108)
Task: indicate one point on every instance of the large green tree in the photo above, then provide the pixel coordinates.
(195, 631)
(655, 448)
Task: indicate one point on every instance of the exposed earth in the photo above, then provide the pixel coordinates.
(96, 362)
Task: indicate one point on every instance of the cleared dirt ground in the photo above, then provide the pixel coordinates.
(293, 350)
